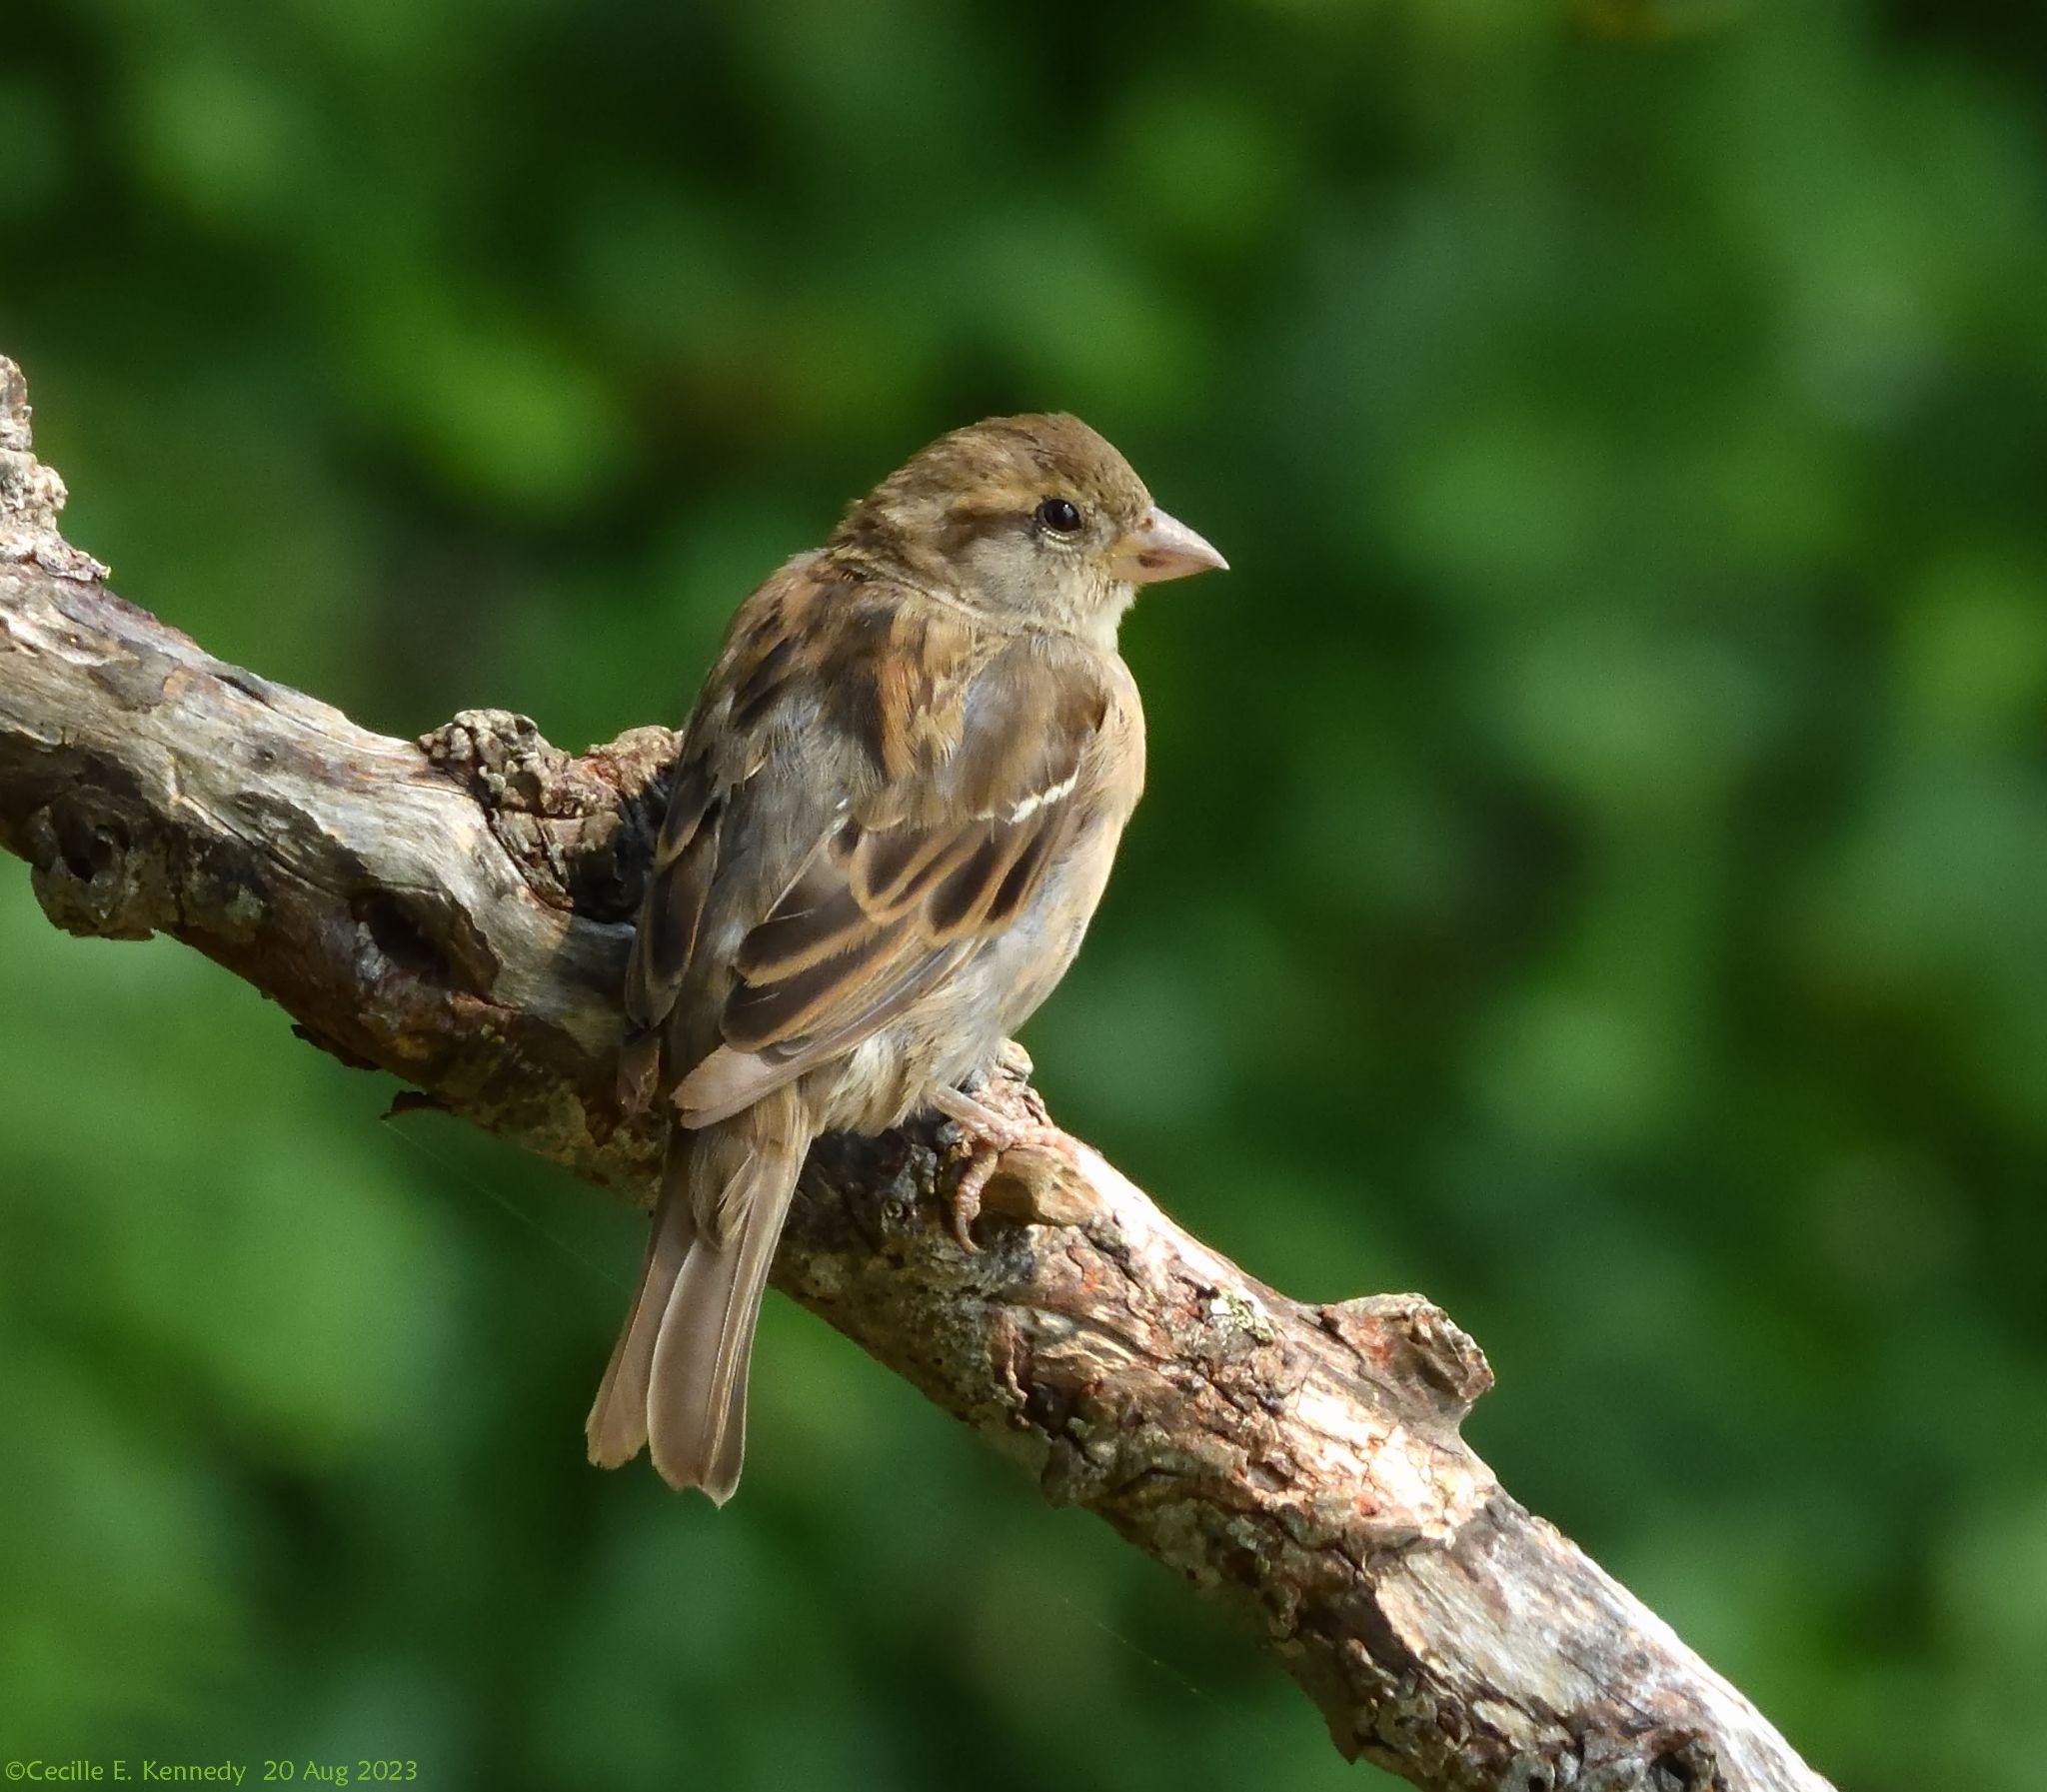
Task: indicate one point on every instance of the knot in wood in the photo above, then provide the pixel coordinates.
(562, 820)
(89, 869)
(31, 495)
(38, 544)
(1411, 1346)
(14, 411)
(506, 761)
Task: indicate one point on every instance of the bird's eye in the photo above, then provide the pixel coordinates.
(1060, 515)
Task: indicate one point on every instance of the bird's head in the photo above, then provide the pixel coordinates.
(1031, 519)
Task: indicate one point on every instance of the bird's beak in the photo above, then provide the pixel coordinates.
(1161, 548)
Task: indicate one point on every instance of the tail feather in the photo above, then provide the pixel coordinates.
(678, 1377)
(616, 1429)
(696, 1395)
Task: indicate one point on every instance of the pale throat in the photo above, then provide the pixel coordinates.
(1081, 600)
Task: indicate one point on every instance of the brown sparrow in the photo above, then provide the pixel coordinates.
(894, 810)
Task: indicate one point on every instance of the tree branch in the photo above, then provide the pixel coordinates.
(456, 910)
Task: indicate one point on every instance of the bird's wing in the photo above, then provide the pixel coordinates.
(961, 763)
(743, 714)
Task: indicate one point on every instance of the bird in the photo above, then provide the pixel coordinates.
(891, 813)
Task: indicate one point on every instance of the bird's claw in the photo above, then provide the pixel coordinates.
(988, 1136)
(1014, 1060)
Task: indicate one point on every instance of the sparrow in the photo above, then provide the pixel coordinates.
(893, 812)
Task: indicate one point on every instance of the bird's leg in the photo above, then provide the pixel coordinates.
(988, 1135)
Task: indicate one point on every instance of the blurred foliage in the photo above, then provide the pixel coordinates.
(1593, 871)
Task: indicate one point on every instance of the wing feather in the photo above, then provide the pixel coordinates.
(961, 762)
(882, 914)
(671, 913)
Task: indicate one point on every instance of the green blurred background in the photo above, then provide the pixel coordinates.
(1595, 870)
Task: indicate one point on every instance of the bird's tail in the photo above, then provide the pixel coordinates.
(677, 1375)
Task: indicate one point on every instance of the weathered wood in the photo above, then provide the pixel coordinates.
(455, 910)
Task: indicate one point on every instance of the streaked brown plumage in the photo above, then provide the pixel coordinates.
(894, 812)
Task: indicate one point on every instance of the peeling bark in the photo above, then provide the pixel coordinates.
(456, 910)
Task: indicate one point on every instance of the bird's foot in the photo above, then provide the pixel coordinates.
(990, 1136)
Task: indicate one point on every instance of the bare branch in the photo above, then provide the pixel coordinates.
(456, 910)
